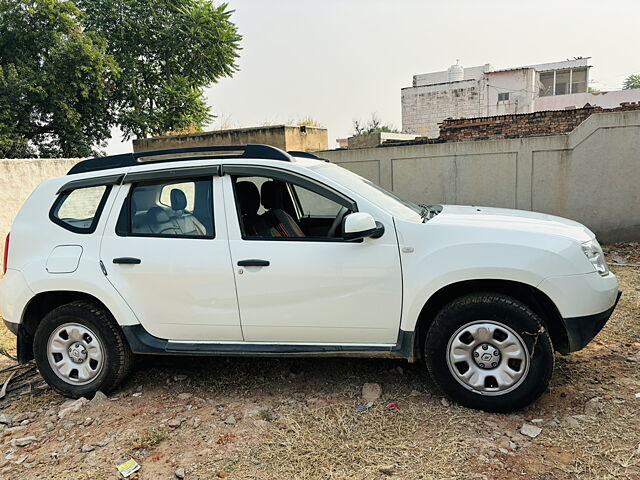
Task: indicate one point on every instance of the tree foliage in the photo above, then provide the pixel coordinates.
(168, 51)
(373, 125)
(69, 71)
(55, 81)
(632, 81)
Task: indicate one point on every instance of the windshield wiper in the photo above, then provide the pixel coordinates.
(429, 211)
(424, 212)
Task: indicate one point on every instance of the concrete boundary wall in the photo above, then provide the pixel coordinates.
(18, 178)
(591, 174)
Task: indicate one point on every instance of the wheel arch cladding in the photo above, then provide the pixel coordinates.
(39, 306)
(540, 303)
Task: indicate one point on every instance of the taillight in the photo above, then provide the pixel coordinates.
(5, 256)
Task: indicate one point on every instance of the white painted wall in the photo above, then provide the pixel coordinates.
(471, 73)
(521, 86)
(424, 107)
(433, 98)
(602, 99)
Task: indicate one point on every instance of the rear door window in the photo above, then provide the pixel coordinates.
(168, 209)
(79, 210)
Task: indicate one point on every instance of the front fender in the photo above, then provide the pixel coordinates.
(433, 258)
(420, 296)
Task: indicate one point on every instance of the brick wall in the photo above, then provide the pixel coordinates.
(522, 125)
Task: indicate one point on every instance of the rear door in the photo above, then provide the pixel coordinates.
(165, 250)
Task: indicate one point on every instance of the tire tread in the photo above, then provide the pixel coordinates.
(455, 308)
(121, 356)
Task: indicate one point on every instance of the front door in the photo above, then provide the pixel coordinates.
(166, 252)
(297, 280)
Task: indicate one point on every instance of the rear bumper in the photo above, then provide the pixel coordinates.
(12, 327)
(581, 330)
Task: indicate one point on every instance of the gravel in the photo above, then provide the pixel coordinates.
(530, 430)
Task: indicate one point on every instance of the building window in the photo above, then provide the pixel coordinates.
(563, 78)
(564, 82)
(546, 84)
(579, 80)
(503, 97)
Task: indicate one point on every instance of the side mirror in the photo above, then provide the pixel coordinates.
(359, 225)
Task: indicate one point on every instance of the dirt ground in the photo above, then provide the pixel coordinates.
(297, 418)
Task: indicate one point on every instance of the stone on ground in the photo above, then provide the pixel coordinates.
(371, 391)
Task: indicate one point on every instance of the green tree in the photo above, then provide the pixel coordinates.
(632, 81)
(373, 125)
(168, 52)
(54, 81)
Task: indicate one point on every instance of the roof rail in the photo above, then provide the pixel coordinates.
(300, 153)
(130, 159)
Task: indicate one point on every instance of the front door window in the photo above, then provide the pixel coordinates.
(269, 208)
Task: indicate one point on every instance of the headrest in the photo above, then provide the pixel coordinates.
(249, 197)
(157, 215)
(271, 193)
(178, 199)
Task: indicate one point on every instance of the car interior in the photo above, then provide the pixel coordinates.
(270, 208)
(164, 209)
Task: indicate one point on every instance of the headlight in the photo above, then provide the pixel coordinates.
(593, 251)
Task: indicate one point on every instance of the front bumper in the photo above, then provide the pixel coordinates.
(581, 330)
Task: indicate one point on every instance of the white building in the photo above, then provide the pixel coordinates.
(484, 91)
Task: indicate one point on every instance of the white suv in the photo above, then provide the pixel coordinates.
(254, 251)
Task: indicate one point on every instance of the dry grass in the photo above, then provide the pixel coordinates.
(425, 440)
(336, 442)
(315, 432)
(149, 439)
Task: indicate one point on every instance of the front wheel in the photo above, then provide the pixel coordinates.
(489, 352)
(79, 349)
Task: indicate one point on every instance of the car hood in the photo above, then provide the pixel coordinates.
(515, 220)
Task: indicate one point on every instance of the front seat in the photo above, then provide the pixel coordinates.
(249, 199)
(273, 202)
(186, 222)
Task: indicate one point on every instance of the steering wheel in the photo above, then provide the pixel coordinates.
(337, 222)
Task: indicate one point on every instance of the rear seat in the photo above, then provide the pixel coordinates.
(167, 221)
(158, 221)
(186, 222)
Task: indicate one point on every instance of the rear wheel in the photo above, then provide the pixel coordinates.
(490, 352)
(79, 349)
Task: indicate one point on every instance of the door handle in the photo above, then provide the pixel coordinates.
(253, 262)
(127, 260)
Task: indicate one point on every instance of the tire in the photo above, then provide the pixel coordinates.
(81, 337)
(460, 352)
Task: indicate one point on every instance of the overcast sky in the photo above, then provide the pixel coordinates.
(340, 60)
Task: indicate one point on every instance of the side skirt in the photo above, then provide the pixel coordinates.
(142, 342)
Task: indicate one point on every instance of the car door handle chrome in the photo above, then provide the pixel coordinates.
(127, 260)
(253, 262)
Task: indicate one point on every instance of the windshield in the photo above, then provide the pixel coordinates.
(372, 192)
